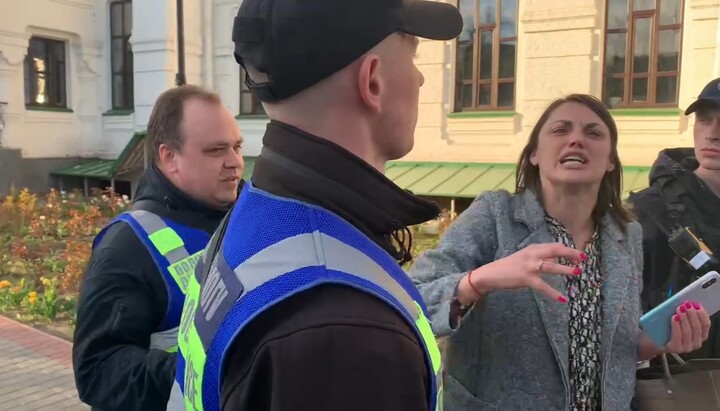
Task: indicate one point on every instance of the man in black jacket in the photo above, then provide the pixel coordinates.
(684, 191)
(338, 81)
(132, 294)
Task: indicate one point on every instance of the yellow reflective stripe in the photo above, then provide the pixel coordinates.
(423, 325)
(166, 240)
(182, 270)
(192, 349)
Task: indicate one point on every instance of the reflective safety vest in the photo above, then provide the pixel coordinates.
(175, 249)
(272, 249)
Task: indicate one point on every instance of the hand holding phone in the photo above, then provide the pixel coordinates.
(659, 323)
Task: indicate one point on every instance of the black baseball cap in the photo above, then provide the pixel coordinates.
(297, 43)
(709, 96)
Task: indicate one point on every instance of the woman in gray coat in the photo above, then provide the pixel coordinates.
(539, 290)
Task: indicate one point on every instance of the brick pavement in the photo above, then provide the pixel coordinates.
(35, 370)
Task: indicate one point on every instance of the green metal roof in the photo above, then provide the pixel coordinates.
(101, 168)
(451, 179)
(635, 179)
(467, 180)
(131, 158)
(91, 169)
(104, 169)
(249, 167)
(437, 179)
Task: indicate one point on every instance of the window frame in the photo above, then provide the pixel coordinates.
(494, 81)
(127, 70)
(253, 99)
(653, 73)
(55, 74)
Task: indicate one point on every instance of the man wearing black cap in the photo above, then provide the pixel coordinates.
(684, 191)
(300, 303)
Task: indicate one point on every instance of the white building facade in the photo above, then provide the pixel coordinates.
(79, 77)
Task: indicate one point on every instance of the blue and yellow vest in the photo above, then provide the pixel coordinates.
(272, 249)
(175, 249)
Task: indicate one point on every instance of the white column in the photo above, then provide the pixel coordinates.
(226, 70)
(154, 44)
(88, 88)
(13, 47)
(208, 66)
(194, 40)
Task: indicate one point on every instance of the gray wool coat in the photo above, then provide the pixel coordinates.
(510, 352)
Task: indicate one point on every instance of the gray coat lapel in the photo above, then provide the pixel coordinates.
(614, 255)
(616, 258)
(555, 315)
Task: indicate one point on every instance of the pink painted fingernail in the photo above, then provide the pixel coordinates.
(577, 271)
(683, 309)
(696, 305)
(583, 256)
(562, 299)
(688, 305)
(676, 318)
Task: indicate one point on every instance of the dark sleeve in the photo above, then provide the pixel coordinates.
(335, 367)
(121, 303)
(658, 258)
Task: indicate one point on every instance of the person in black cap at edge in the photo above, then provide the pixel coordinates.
(684, 191)
(338, 81)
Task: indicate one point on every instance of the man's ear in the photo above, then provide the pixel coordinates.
(167, 158)
(369, 82)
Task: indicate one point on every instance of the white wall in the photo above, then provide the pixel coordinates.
(208, 62)
(45, 133)
(89, 130)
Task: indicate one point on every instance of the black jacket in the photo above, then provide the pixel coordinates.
(332, 347)
(675, 196)
(122, 301)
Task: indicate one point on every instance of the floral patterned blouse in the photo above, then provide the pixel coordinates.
(585, 328)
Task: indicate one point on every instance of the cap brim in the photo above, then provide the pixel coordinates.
(432, 20)
(700, 103)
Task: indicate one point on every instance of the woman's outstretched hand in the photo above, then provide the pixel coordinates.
(522, 269)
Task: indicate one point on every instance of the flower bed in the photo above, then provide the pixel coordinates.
(45, 243)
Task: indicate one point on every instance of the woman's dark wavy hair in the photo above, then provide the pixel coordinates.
(610, 194)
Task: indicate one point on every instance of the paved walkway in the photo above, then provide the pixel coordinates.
(35, 370)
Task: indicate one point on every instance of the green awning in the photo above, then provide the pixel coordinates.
(468, 180)
(249, 167)
(131, 158)
(635, 179)
(461, 180)
(89, 169)
(104, 169)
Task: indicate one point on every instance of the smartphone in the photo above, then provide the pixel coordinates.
(705, 290)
